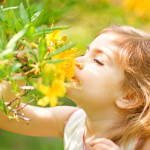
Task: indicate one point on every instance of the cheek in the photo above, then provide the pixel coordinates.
(98, 85)
(104, 81)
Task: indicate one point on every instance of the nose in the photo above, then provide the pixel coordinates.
(80, 62)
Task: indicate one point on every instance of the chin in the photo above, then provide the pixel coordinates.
(73, 94)
(70, 92)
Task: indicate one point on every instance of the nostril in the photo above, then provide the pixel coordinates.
(79, 65)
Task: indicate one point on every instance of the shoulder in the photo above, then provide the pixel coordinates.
(76, 118)
(61, 114)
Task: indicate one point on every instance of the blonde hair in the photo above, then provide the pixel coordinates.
(133, 56)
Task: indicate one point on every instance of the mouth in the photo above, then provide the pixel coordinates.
(74, 82)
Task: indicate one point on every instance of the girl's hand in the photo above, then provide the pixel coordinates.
(103, 144)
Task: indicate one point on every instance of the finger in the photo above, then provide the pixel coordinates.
(100, 147)
(102, 141)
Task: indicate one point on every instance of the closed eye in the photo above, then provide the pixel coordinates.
(98, 62)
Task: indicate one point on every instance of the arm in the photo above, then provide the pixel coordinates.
(6, 90)
(46, 122)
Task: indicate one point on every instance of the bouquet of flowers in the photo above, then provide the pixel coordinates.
(36, 55)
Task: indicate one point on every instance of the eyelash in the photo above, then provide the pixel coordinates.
(98, 62)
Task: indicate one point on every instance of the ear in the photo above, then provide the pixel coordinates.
(126, 103)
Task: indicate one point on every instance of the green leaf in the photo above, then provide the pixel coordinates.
(42, 49)
(10, 8)
(32, 53)
(35, 16)
(28, 4)
(11, 44)
(7, 51)
(3, 106)
(2, 11)
(23, 14)
(2, 17)
(13, 19)
(14, 85)
(2, 74)
(12, 117)
(17, 77)
(62, 49)
(12, 108)
(23, 51)
(15, 67)
(39, 31)
(16, 37)
(56, 61)
(28, 10)
(59, 28)
(30, 31)
(17, 25)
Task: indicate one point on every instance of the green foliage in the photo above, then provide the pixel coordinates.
(5, 109)
(17, 55)
(3, 106)
(60, 50)
(23, 14)
(42, 49)
(41, 30)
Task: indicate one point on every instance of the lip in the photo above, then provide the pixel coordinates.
(74, 82)
(75, 78)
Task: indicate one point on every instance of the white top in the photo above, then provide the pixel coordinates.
(74, 131)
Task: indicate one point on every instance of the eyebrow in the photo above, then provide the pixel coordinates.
(100, 51)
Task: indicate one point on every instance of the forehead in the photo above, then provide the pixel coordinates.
(107, 40)
(107, 43)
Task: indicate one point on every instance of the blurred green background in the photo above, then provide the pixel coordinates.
(86, 18)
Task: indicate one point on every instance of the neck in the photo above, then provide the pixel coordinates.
(100, 122)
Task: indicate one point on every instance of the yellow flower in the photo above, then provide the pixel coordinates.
(60, 74)
(51, 49)
(54, 71)
(34, 45)
(58, 88)
(141, 8)
(71, 53)
(43, 101)
(52, 83)
(52, 38)
(52, 93)
(49, 68)
(68, 66)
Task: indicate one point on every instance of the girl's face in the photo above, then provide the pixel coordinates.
(98, 74)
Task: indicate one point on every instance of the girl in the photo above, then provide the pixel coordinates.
(114, 102)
